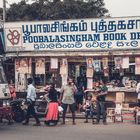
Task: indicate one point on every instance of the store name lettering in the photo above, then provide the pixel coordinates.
(91, 45)
(83, 34)
(101, 26)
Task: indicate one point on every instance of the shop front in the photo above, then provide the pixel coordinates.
(89, 50)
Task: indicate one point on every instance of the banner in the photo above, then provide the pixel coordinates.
(40, 66)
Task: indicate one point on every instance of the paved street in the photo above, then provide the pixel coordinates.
(80, 131)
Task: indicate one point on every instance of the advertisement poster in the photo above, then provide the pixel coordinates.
(125, 63)
(97, 65)
(118, 62)
(23, 65)
(40, 66)
(54, 63)
(105, 66)
(89, 62)
(137, 65)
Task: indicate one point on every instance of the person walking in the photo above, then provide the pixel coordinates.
(67, 97)
(31, 97)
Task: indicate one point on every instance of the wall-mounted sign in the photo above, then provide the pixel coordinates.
(77, 34)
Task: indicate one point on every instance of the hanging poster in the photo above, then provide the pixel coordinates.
(105, 62)
(23, 65)
(137, 65)
(89, 72)
(97, 65)
(40, 66)
(125, 62)
(106, 72)
(20, 82)
(118, 62)
(64, 67)
(54, 63)
(89, 62)
(105, 66)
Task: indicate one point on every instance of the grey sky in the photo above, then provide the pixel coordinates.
(117, 8)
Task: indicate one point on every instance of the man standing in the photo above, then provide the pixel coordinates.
(67, 97)
(138, 91)
(101, 103)
(31, 96)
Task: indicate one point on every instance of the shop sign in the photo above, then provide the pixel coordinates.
(79, 34)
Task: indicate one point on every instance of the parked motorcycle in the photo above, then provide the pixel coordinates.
(17, 109)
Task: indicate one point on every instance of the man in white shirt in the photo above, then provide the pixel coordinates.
(31, 96)
(138, 91)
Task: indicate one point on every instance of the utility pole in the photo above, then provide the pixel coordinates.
(4, 10)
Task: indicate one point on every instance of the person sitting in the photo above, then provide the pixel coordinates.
(90, 108)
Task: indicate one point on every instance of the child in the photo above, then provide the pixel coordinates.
(90, 108)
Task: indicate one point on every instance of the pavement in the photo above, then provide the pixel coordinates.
(80, 131)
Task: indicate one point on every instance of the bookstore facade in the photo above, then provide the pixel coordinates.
(89, 50)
